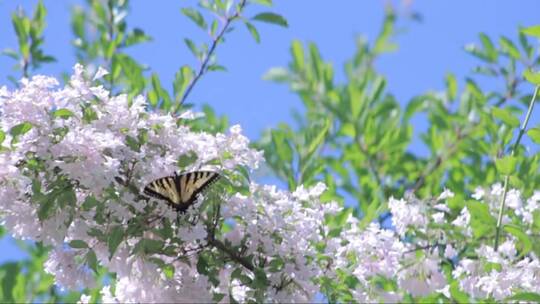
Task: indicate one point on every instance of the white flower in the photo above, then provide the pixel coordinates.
(446, 194)
(479, 193)
(85, 299)
(438, 217)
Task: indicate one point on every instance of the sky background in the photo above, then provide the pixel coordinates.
(427, 50)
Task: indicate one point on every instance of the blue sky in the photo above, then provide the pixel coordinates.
(427, 50)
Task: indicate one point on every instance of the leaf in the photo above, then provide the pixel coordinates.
(195, 16)
(253, 31)
(525, 297)
(532, 31)
(509, 48)
(182, 78)
(133, 143)
(532, 77)
(78, 244)
(186, 159)
(505, 116)
(271, 18)
(451, 86)
(506, 165)
(534, 134)
(277, 75)
(92, 261)
(261, 280)
(315, 141)
(489, 48)
(11, 53)
(19, 130)
(522, 237)
(216, 67)
(262, 2)
(11, 270)
(115, 237)
(45, 208)
(192, 47)
(282, 146)
(63, 113)
(2, 136)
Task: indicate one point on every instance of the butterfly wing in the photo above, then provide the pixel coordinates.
(181, 191)
(164, 188)
(193, 183)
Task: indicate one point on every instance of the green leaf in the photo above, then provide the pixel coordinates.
(315, 141)
(508, 47)
(534, 134)
(525, 297)
(20, 129)
(11, 53)
(78, 244)
(253, 31)
(182, 79)
(133, 143)
(261, 280)
(277, 75)
(506, 165)
(92, 261)
(115, 237)
(9, 280)
(282, 146)
(489, 48)
(532, 77)
(2, 136)
(45, 208)
(522, 237)
(89, 203)
(262, 2)
(216, 67)
(187, 159)
(451, 86)
(532, 31)
(505, 116)
(192, 47)
(63, 113)
(202, 264)
(271, 18)
(195, 16)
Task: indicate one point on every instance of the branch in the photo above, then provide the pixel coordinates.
(206, 60)
(233, 255)
(438, 161)
(507, 177)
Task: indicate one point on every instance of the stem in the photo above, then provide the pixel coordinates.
(237, 258)
(506, 178)
(206, 60)
(111, 33)
(439, 160)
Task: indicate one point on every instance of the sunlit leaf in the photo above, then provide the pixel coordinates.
(271, 18)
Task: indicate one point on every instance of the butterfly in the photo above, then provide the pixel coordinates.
(181, 191)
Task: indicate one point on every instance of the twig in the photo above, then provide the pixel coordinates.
(206, 60)
(373, 170)
(507, 177)
(438, 162)
(237, 258)
(110, 28)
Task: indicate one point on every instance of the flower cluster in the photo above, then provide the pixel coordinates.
(73, 161)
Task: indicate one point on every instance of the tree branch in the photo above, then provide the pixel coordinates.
(211, 50)
(507, 177)
(233, 255)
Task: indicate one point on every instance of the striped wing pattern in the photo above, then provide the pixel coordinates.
(181, 191)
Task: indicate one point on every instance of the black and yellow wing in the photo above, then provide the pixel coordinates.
(181, 191)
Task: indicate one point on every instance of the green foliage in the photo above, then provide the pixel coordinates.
(29, 31)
